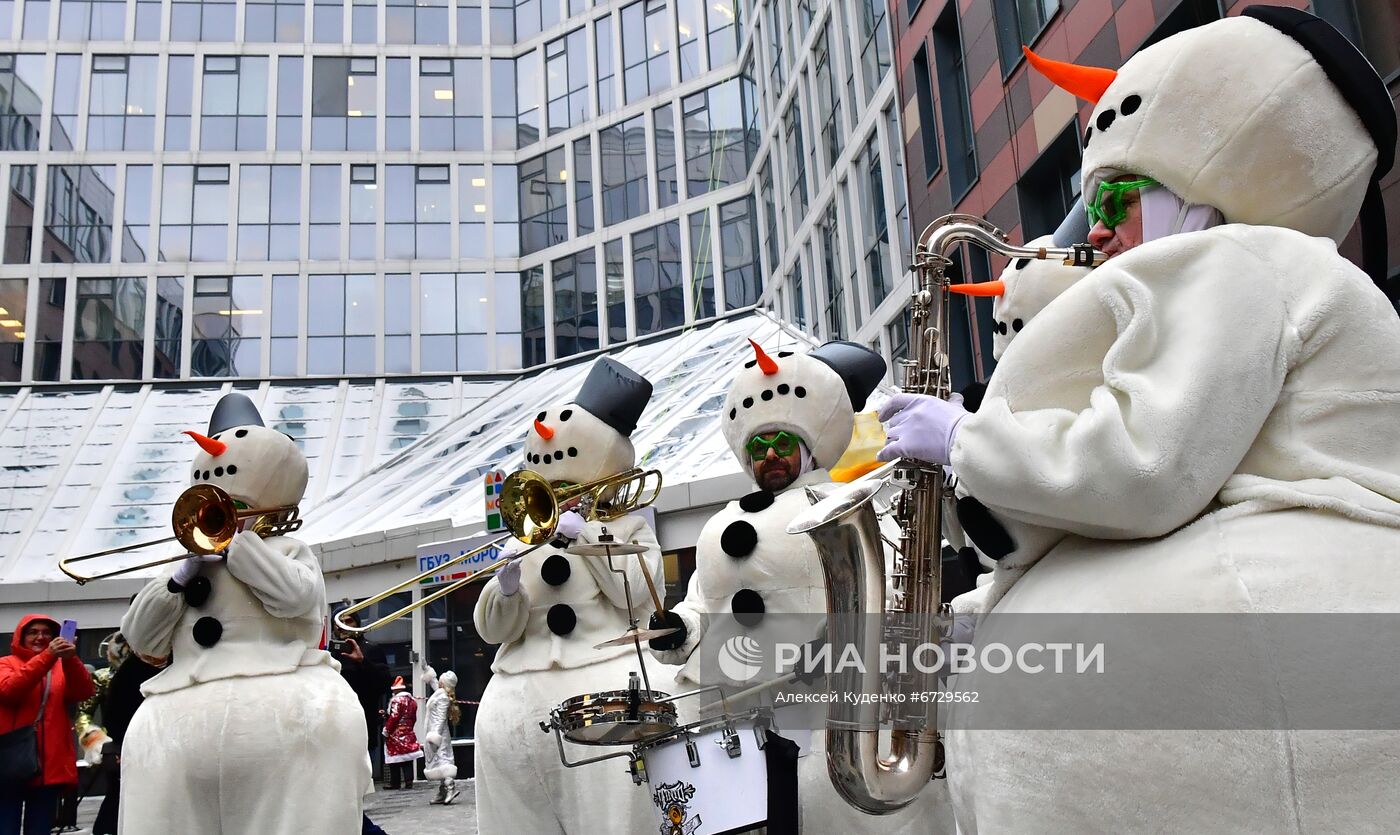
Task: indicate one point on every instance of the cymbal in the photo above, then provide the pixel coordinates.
(600, 549)
(634, 635)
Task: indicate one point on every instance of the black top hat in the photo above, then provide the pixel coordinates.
(233, 409)
(615, 394)
(1363, 89)
(860, 368)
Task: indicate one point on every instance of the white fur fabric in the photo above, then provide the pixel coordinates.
(269, 597)
(519, 622)
(598, 449)
(787, 572)
(270, 469)
(1237, 115)
(247, 756)
(1030, 286)
(520, 784)
(1204, 424)
(804, 396)
(439, 763)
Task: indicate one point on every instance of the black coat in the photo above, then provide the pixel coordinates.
(370, 679)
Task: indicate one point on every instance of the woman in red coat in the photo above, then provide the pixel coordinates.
(39, 655)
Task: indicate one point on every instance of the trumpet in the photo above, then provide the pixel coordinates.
(204, 520)
(531, 507)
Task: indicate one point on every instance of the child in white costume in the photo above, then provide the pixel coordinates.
(547, 610)
(1208, 421)
(747, 565)
(250, 729)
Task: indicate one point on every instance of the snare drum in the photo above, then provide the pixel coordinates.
(709, 779)
(614, 717)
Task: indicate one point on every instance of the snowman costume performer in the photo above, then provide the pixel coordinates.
(250, 729)
(547, 610)
(747, 565)
(1207, 422)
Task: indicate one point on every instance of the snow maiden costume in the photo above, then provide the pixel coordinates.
(747, 565)
(1206, 423)
(250, 729)
(440, 763)
(547, 611)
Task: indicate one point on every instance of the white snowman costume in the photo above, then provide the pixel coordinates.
(1206, 423)
(747, 565)
(547, 630)
(250, 729)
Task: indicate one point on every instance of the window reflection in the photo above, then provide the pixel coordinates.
(739, 249)
(543, 202)
(194, 213)
(623, 148)
(364, 212)
(324, 217)
(717, 150)
(722, 18)
(616, 291)
(416, 21)
(527, 74)
(327, 21)
(505, 207)
(179, 95)
(664, 131)
(97, 20)
(269, 212)
(343, 94)
(503, 112)
(170, 323)
(471, 210)
(659, 300)
(796, 160)
(285, 325)
(830, 244)
(575, 304)
(109, 329)
(583, 185)
(566, 74)
(702, 268)
(289, 87)
(14, 301)
(469, 22)
(646, 43)
(136, 235)
(340, 325)
(19, 219)
(398, 323)
(78, 217)
(450, 105)
(63, 128)
(207, 20)
(689, 14)
(533, 338)
(455, 311)
(397, 105)
(418, 212)
(22, 83)
(268, 21)
(229, 321)
(122, 103)
(234, 104)
(607, 65)
(48, 337)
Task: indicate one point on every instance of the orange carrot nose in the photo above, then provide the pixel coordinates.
(545, 431)
(1088, 83)
(981, 289)
(765, 362)
(208, 444)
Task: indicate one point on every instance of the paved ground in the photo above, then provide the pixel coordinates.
(404, 812)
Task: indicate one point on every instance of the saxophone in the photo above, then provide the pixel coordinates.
(845, 528)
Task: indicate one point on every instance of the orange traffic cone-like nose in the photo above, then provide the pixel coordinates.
(981, 289)
(765, 362)
(1088, 83)
(208, 444)
(545, 431)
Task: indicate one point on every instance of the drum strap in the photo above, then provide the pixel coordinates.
(783, 814)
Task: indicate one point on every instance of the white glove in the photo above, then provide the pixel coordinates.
(509, 577)
(189, 569)
(571, 524)
(921, 427)
(434, 738)
(429, 675)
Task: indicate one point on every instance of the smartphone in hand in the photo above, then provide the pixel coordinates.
(69, 631)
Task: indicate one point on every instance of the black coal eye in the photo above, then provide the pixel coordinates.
(219, 471)
(1105, 119)
(783, 388)
(1017, 324)
(206, 475)
(751, 363)
(243, 433)
(540, 417)
(573, 452)
(1131, 104)
(767, 394)
(1022, 263)
(216, 437)
(566, 414)
(800, 391)
(233, 469)
(782, 354)
(748, 402)
(1088, 134)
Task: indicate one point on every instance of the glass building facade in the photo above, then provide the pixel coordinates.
(284, 189)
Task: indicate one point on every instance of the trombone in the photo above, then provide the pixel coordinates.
(530, 506)
(204, 520)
